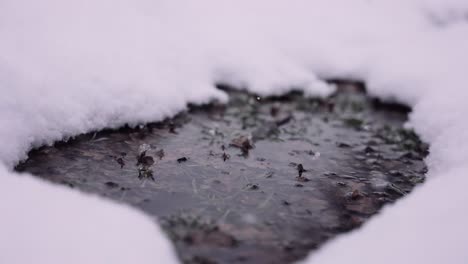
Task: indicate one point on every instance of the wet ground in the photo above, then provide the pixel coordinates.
(259, 180)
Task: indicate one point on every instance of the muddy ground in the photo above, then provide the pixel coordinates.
(259, 180)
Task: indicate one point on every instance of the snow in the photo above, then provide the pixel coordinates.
(69, 67)
(46, 224)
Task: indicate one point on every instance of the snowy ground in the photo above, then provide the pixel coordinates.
(68, 67)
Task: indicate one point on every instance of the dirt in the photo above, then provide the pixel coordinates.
(259, 180)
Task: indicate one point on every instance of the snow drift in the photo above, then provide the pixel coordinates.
(69, 67)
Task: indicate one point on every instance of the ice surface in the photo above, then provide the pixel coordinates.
(69, 67)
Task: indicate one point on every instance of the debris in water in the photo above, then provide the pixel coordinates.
(354, 123)
(302, 179)
(274, 110)
(342, 145)
(183, 159)
(244, 143)
(172, 128)
(160, 154)
(330, 106)
(111, 184)
(145, 173)
(121, 162)
(342, 184)
(284, 120)
(225, 156)
(300, 169)
(355, 195)
(145, 160)
(393, 188)
(252, 186)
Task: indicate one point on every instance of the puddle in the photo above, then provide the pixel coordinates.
(259, 180)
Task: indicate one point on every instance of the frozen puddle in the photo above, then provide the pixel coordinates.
(261, 180)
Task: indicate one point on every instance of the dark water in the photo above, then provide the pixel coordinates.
(260, 180)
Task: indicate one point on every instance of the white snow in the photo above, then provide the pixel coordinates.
(73, 66)
(45, 224)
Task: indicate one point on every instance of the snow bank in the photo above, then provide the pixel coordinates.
(69, 67)
(46, 224)
(427, 227)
